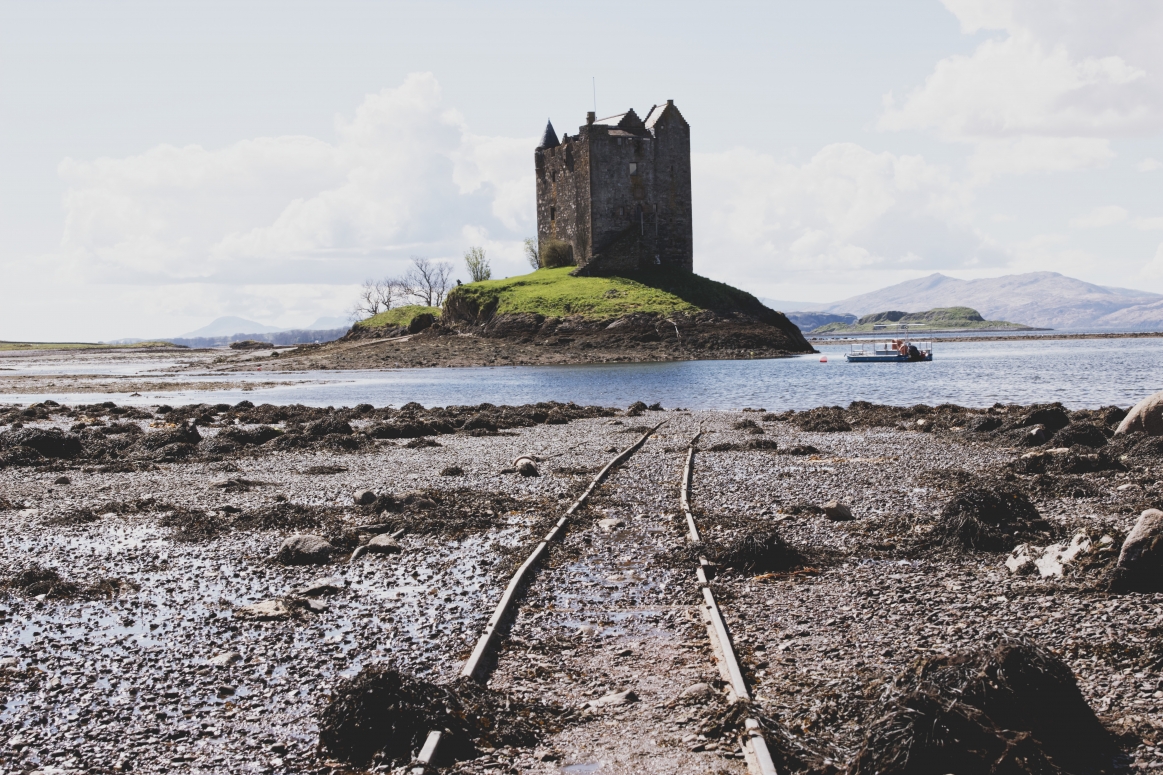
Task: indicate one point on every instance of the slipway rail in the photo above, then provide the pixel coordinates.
(474, 666)
(754, 744)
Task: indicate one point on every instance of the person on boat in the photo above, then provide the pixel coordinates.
(914, 353)
(902, 347)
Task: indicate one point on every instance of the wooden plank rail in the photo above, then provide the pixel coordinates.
(472, 666)
(754, 744)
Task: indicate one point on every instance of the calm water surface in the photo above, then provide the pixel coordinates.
(1085, 373)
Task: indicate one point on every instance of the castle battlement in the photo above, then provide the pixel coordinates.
(619, 192)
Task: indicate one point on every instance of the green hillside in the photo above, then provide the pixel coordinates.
(938, 319)
(557, 293)
(398, 316)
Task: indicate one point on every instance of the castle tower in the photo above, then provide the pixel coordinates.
(619, 192)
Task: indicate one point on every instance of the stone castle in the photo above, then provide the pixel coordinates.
(618, 193)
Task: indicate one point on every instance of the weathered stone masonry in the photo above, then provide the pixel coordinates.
(619, 192)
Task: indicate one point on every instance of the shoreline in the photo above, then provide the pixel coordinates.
(158, 612)
(1051, 337)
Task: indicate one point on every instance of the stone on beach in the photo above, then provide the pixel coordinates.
(225, 658)
(304, 550)
(364, 497)
(1144, 417)
(384, 544)
(264, 610)
(613, 700)
(525, 466)
(837, 511)
(1140, 566)
(1050, 561)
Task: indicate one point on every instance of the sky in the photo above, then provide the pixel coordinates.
(164, 164)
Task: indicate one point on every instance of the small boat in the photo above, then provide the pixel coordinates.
(895, 351)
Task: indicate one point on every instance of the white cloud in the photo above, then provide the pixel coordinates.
(1149, 165)
(846, 211)
(1153, 269)
(403, 177)
(1149, 224)
(1099, 217)
(1047, 94)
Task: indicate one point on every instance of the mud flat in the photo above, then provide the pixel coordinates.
(149, 624)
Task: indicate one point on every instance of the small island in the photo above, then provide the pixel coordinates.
(938, 320)
(553, 316)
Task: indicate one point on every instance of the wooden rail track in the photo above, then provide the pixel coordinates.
(474, 667)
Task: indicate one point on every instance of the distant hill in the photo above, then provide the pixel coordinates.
(809, 321)
(226, 326)
(939, 319)
(1040, 299)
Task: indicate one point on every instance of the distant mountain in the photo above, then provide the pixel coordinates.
(787, 306)
(230, 325)
(324, 323)
(1040, 299)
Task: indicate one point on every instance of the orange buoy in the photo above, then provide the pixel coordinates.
(824, 359)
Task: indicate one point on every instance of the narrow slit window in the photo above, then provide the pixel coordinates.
(553, 213)
(633, 168)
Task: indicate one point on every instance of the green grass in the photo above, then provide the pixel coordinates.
(399, 316)
(555, 293)
(931, 320)
(80, 345)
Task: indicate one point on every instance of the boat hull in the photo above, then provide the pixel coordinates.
(886, 358)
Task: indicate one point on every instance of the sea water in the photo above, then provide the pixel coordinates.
(1079, 373)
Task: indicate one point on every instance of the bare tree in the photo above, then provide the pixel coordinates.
(376, 296)
(478, 265)
(532, 255)
(428, 281)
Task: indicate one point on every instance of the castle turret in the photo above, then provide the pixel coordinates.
(549, 139)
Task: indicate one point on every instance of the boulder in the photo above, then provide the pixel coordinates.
(1144, 417)
(304, 550)
(837, 511)
(364, 497)
(384, 544)
(526, 467)
(1140, 566)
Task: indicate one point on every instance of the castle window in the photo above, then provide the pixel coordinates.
(553, 213)
(554, 175)
(633, 168)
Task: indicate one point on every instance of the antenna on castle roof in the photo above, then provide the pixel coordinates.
(595, 79)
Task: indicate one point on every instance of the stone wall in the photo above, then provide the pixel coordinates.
(620, 194)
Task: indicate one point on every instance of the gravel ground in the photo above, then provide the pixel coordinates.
(147, 664)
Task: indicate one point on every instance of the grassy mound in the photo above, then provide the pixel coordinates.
(400, 317)
(557, 293)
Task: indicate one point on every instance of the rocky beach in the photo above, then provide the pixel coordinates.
(217, 588)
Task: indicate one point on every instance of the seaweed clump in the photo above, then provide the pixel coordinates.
(986, 516)
(1012, 709)
(760, 552)
(384, 715)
